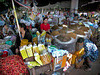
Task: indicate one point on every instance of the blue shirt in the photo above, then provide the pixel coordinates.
(91, 50)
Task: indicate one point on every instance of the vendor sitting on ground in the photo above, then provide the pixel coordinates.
(7, 31)
(24, 35)
(91, 51)
(45, 26)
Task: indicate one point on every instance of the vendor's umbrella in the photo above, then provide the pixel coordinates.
(90, 6)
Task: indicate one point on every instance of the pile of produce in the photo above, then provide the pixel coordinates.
(73, 27)
(54, 33)
(73, 35)
(48, 36)
(84, 28)
(64, 37)
(69, 29)
(80, 32)
(72, 22)
(13, 65)
(55, 27)
(82, 25)
(62, 31)
(64, 28)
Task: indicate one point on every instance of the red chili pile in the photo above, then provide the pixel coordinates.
(13, 65)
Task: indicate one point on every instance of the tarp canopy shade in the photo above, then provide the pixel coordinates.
(24, 3)
(91, 6)
(63, 4)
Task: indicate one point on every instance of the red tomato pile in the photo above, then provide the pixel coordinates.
(13, 65)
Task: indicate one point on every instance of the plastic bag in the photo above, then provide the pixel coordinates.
(23, 52)
(37, 58)
(29, 50)
(59, 53)
(36, 49)
(41, 47)
(45, 58)
(32, 64)
(8, 42)
(24, 42)
(80, 52)
(51, 49)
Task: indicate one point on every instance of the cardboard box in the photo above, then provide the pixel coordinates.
(59, 62)
(69, 58)
(68, 62)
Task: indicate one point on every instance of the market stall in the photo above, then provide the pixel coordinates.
(13, 65)
(48, 51)
(54, 51)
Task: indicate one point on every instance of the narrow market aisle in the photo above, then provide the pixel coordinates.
(95, 69)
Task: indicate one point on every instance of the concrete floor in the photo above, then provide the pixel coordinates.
(95, 69)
